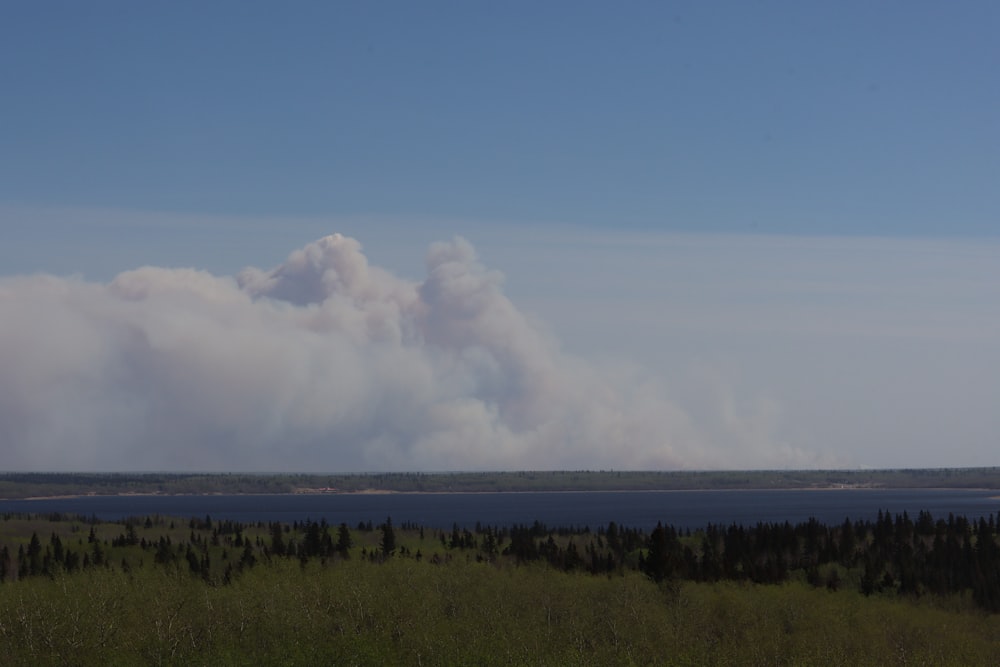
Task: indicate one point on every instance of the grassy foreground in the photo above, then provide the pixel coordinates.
(409, 612)
(166, 592)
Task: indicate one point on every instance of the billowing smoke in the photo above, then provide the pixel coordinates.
(324, 363)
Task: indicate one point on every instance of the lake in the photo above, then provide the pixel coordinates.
(641, 509)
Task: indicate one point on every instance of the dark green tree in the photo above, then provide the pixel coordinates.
(848, 544)
(663, 556)
(312, 544)
(58, 553)
(344, 542)
(388, 543)
(247, 559)
(34, 555)
(277, 539)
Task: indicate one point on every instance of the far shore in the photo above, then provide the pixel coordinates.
(334, 492)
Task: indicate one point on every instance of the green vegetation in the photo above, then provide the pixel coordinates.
(155, 590)
(28, 485)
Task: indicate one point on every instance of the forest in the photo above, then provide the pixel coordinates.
(42, 484)
(161, 590)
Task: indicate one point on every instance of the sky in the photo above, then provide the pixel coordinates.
(473, 236)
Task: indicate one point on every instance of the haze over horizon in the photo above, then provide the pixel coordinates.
(468, 236)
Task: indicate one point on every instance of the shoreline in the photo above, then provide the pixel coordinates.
(362, 492)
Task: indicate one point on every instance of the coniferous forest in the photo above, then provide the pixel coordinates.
(41, 484)
(157, 590)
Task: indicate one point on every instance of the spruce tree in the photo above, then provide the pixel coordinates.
(344, 541)
(388, 538)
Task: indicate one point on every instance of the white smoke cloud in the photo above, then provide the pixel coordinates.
(324, 363)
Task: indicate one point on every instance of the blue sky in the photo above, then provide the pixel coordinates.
(782, 215)
(804, 118)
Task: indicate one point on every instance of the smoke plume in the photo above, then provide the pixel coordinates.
(324, 363)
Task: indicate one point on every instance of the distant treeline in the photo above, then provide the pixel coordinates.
(27, 485)
(896, 554)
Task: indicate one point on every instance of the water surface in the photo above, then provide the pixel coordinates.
(642, 509)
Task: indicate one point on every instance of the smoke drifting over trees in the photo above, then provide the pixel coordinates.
(322, 363)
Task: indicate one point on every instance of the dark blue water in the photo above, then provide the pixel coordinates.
(641, 509)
